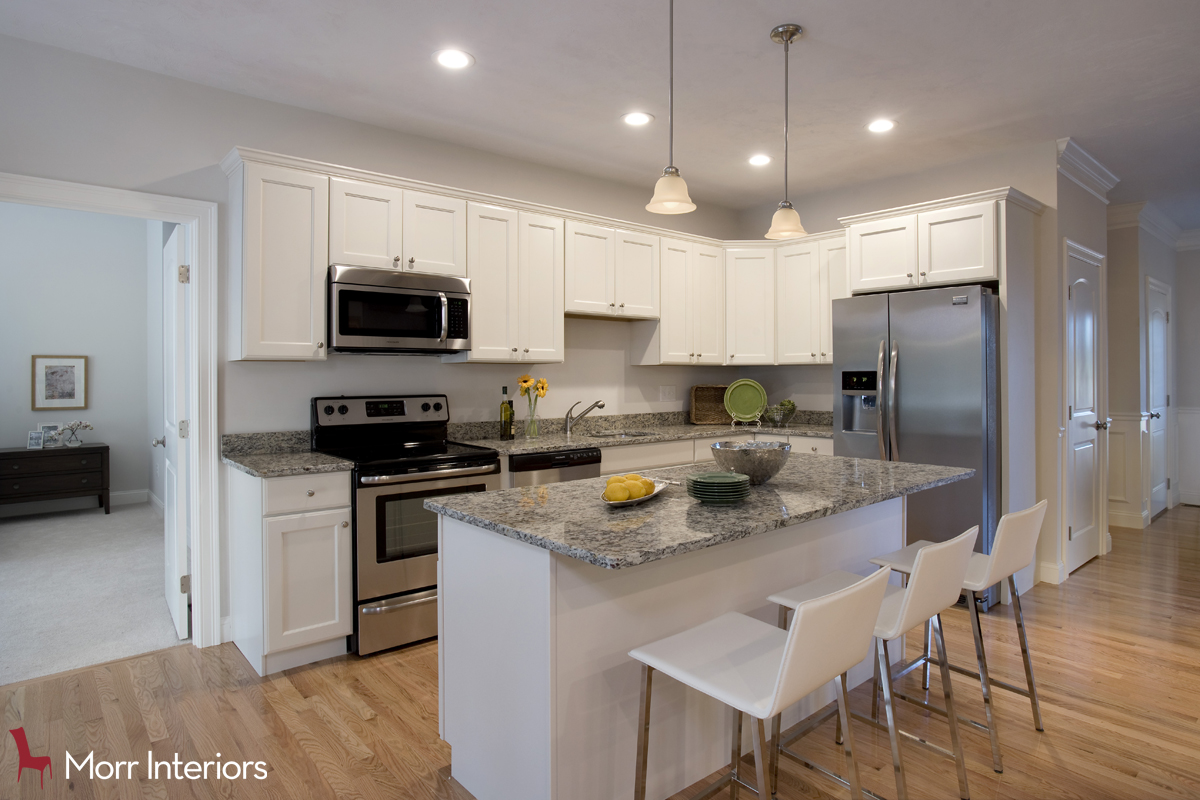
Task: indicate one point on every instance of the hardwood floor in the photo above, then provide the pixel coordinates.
(1115, 650)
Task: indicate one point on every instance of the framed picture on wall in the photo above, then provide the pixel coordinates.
(60, 382)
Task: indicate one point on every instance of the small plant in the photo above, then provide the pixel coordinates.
(533, 390)
(72, 430)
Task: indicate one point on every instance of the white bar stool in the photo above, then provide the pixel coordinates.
(1012, 551)
(757, 669)
(933, 585)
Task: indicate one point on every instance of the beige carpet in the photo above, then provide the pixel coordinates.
(79, 588)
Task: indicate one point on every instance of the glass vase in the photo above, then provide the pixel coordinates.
(532, 423)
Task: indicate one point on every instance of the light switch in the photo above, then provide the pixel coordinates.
(666, 394)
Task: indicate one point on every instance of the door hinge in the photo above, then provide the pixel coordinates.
(1070, 533)
(185, 273)
(183, 429)
(185, 584)
(1168, 401)
(1070, 412)
(1168, 483)
(1168, 316)
(1068, 292)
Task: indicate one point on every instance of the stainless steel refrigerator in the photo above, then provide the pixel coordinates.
(915, 380)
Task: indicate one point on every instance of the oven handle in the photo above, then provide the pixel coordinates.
(376, 480)
(445, 317)
(398, 604)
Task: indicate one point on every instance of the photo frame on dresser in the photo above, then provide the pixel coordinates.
(59, 382)
(35, 440)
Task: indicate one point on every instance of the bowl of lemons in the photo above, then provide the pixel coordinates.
(630, 490)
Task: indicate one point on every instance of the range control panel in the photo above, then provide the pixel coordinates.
(374, 410)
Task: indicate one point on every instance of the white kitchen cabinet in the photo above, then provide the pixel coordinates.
(834, 286)
(691, 324)
(957, 245)
(308, 579)
(798, 303)
(816, 445)
(540, 288)
(279, 245)
(435, 234)
(623, 459)
(770, 437)
(749, 306)
(611, 273)
(366, 223)
(636, 285)
(883, 254)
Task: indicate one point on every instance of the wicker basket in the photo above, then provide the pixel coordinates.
(708, 405)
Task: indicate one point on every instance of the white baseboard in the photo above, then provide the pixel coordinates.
(1049, 572)
(1191, 498)
(1129, 519)
(129, 498)
(158, 505)
(226, 629)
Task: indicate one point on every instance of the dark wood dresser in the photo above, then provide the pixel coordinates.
(54, 473)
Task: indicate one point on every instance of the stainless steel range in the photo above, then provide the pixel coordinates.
(401, 456)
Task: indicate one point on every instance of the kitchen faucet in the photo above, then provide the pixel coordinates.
(572, 420)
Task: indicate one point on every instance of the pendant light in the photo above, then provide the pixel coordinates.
(785, 224)
(671, 193)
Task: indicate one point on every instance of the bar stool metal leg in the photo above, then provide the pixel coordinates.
(884, 667)
(1033, 698)
(926, 646)
(959, 759)
(735, 760)
(875, 693)
(643, 740)
(984, 682)
(843, 701)
(759, 735)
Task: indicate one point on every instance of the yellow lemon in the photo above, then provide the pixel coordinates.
(648, 485)
(616, 492)
(633, 476)
(616, 479)
(636, 489)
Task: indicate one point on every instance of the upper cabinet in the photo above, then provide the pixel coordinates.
(435, 234)
(278, 248)
(540, 288)
(883, 254)
(749, 306)
(611, 273)
(835, 285)
(798, 303)
(691, 324)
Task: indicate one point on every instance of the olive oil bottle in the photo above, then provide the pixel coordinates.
(506, 415)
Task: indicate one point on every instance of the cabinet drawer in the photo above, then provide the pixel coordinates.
(704, 446)
(306, 492)
(36, 484)
(636, 457)
(59, 462)
(812, 444)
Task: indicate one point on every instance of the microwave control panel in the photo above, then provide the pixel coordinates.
(456, 313)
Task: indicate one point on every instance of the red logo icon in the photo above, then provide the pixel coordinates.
(28, 761)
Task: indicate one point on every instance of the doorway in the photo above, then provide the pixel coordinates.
(1158, 392)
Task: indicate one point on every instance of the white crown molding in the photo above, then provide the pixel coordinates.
(1188, 240)
(1146, 217)
(1005, 193)
(1127, 215)
(1080, 167)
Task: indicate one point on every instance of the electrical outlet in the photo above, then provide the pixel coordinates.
(666, 394)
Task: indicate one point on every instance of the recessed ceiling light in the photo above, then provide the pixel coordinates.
(881, 126)
(453, 59)
(637, 118)
(760, 160)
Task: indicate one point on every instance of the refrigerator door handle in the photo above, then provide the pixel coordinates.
(892, 401)
(879, 385)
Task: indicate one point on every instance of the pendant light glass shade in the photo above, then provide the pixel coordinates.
(785, 224)
(670, 195)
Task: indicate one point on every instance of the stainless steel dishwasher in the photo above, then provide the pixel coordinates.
(537, 469)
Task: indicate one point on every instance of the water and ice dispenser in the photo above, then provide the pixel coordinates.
(860, 410)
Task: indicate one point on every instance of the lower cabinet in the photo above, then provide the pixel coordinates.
(291, 574)
(800, 444)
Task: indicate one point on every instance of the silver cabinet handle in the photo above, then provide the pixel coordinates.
(396, 260)
(910, 274)
(412, 262)
(612, 305)
(814, 449)
(622, 305)
(892, 428)
(345, 524)
(310, 492)
(320, 345)
(159, 442)
(822, 355)
(436, 474)
(396, 604)
(526, 349)
(814, 355)
(879, 393)
(514, 349)
(445, 316)
(922, 274)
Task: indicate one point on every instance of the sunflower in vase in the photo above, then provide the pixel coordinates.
(532, 390)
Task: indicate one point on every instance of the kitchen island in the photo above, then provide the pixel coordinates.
(544, 590)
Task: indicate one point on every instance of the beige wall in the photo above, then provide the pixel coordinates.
(1187, 332)
(1126, 381)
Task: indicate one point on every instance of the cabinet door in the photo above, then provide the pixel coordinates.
(676, 311)
(708, 304)
(435, 234)
(812, 445)
(957, 245)
(637, 275)
(590, 269)
(797, 303)
(285, 245)
(365, 223)
(883, 254)
(750, 306)
(540, 308)
(492, 248)
(834, 286)
(308, 579)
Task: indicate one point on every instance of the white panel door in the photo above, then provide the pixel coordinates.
(834, 286)
(492, 247)
(366, 223)
(750, 306)
(1086, 473)
(708, 304)
(957, 245)
(1158, 303)
(637, 275)
(679, 294)
(285, 248)
(797, 304)
(175, 410)
(883, 254)
(309, 596)
(540, 304)
(435, 234)
(591, 264)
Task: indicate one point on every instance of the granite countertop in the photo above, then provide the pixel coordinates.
(279, 465)
(550, 442)
(571, 519)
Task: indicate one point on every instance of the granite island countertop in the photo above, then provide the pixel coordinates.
(571, 519)
(552, 442)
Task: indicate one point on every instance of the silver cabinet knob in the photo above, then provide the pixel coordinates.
(692, 355)
(310, 492)
(910, 274)
(922, 274)
(320, 345)
(514, 349)
(814, 449)
(612, 305)
(412, 262)
(526, 349)
(396, 260)
(346, 524)
(814, 355)
(822, 355)
(622, 305)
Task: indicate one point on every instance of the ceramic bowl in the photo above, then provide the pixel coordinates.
(759, 460)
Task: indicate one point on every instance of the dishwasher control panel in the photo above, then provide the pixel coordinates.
(561, 459)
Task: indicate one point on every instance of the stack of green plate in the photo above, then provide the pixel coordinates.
(718, 488)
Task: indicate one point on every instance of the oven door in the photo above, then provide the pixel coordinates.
(396, 537)
(387, 319)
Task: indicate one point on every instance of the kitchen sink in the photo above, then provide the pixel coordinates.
(620, 435)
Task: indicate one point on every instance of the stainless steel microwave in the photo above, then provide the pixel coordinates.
(373, 310)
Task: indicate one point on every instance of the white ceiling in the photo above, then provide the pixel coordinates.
(553, 77)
